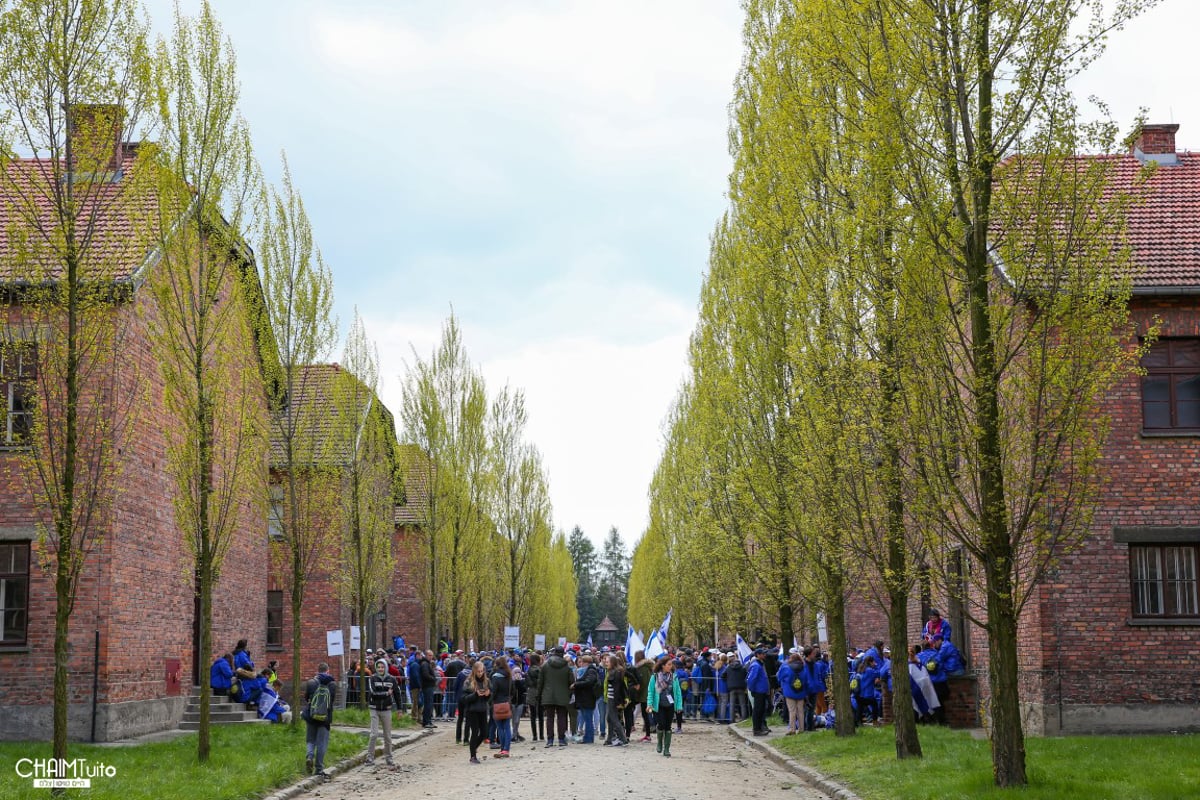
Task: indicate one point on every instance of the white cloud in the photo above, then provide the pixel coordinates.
(596, 400)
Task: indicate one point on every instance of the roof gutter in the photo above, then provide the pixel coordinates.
(1166, 291)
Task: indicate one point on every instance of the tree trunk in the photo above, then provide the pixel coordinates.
(1008, 738)
(62, 651)
(205, 645)
(844, 725)
(297, 632)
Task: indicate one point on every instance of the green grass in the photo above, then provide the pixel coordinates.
(956, 765)
(247, 761)
(361, 718)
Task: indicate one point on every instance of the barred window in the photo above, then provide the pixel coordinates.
(14, 592)
(1163, 580)
(18, 370)
(274, 618)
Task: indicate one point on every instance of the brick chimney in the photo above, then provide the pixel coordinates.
(96, 132)
(1156, 143)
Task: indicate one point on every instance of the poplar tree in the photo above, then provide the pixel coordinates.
(74, 77)
(365, 441)
(207, 304)
(298, 290)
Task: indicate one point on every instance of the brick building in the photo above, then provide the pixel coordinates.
(402, 611)
(133, 633)
(1106, 641)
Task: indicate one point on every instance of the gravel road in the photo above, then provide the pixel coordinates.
(706, 762)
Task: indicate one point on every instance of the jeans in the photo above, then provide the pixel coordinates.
(602, 716)
(316, 741)
(739, 704)
(427, 706)
(504, 734)
(616, 727)
(723, 707)
(518, 712)
(810, 710)
(587, 719)
(380, 720)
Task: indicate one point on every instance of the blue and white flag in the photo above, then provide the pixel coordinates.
(589, 641)
(665, 627)
(654, 647)
(633, 643)
(743, 649)
(782, 655)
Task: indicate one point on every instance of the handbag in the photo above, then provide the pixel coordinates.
(502, 711)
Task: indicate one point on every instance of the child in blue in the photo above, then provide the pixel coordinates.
(868, 691)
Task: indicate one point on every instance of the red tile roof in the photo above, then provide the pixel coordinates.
(116, 231)
(1164, 223)
(417, 475)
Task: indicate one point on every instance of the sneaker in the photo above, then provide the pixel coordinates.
(308, 765)
(322, 773)
(369, 762)
(608, 744)
(494, 746)
(502, 754)
(618, 744)
(644, 739)
(474, 760)
(549, 743)
(562, 742)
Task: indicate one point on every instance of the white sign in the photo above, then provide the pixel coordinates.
(562, 642)
(539, 641)
(355, 637)
(512, 636)
(822, 630)
(333, 643)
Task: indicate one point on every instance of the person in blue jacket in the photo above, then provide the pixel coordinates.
(930, 658)
(792, 676)
(815, 672)
(868, 690)
(220, 675)
(759, 686)
(270, 707)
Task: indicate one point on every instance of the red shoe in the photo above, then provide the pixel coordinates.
(644, 739)
(502, 754)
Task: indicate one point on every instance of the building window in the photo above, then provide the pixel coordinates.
(18, 369)
(1163, 580)
(1171, 385)
(275, 515)
(274, 618)
(14, 592)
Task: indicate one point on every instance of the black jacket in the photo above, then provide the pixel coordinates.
(586, 687)
(429, 678)
(473, 702)
(382, 691)
(501, 688)
(735, 676)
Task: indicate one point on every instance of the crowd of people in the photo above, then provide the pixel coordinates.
(580, 695)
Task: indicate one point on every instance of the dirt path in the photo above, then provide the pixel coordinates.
(706, 762)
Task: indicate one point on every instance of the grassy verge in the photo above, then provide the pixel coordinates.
(361, 717)
(247, 761)
(956, 765)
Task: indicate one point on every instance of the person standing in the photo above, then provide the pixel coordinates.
(555, 694)
(429, 682)
(477, 693)
(735, 680)
(664, 696)
(520, 698)
(615, 699)
(383, 693)
(502, 695)
(645, 668)
(760, 690)
(533, 680)
(792, 675)
(412, 671)
(585, 688)
(319, 696)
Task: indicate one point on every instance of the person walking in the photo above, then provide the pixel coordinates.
(556, 679)
(502, 704)
(760, 690)
(383, 693)
(645, 668)
(664, 696)
(319, 695)
(477, 693)
(615, 699)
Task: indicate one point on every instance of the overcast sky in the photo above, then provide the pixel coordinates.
(551, 170)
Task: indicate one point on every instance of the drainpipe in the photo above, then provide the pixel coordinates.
(95, 681)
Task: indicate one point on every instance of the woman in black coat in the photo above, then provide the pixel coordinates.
(477, 695)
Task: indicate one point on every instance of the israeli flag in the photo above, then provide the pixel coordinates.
(633, 643)
(654, 648)
(745, 653)
(589, 641)
(665, 627)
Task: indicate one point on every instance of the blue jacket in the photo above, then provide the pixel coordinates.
(866, 683)
(721, 687)
(950, 660)
(793, 680)
(756, 678)
(816, 674)
(241, 660)
(414, 674)
(931, 660)
(221, 674)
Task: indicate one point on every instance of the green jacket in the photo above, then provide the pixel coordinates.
(652, 695)
(645, 669)
(555, 682)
